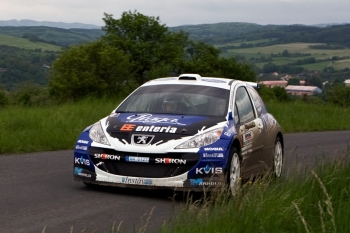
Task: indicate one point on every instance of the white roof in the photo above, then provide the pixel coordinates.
(196, 79)
(301, 88)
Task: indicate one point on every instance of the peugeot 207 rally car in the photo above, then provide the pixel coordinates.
(184, 133)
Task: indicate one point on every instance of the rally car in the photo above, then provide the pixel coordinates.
(188, 133)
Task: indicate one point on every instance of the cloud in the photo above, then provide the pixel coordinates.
(181, 12)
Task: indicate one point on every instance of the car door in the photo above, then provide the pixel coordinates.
(249, 132)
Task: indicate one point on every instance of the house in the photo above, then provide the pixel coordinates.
(281, 83)
(275, 74)
(303, 90)
(347, 82)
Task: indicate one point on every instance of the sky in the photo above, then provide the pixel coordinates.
(182, 12)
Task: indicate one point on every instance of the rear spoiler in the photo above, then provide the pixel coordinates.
(256, 86)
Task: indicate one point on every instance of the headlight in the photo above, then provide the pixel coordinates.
(96, 134)
(202, 140)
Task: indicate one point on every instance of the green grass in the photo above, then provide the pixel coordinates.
(246, 42)
(26, 44)
(31, 129)
(303, 117)
(316, 202)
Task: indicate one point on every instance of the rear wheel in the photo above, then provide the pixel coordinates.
(278, 158)
(234, 172)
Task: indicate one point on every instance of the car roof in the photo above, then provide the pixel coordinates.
(196, 79)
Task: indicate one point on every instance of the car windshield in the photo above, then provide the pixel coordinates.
(178, 99)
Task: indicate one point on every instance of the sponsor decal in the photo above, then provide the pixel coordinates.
(83, 141)
(130, 180)
(213, 155)
(107, 156)
(209, 170)
(168, 161)
(127, 127)
(140, 139)
(152, 128)
(231, 130)
(194, 182)
(214, 149)
(149, 118)
(82, 161)
(78, 171)
(247, 138)
(77, 147)
(137, 159)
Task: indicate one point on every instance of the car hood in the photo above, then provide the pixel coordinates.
(161, 128)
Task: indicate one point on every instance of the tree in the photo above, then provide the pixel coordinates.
(285, 53)
(314, 81)
(204, 59)
(149, 44)
(294, 81)
(135, 49)
(93, 69)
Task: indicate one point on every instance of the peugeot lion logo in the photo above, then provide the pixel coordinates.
(141, 139)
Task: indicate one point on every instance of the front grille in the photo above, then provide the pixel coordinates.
(118, 163)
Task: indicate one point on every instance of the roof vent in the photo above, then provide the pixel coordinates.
(190, 77)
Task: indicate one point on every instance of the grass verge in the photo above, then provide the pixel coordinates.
(32, 129)
(317, 202)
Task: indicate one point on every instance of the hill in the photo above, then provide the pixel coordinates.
(52, 35)
(33, 23)
(222, 33)
(288, 49)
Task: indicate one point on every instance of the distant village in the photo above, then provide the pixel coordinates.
(300, 89)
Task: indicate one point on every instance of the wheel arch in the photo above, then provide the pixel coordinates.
(235, 144)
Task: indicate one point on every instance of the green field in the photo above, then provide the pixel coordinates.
(302, 48)
(246, 42)
(26, 44)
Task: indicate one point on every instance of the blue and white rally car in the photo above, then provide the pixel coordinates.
(186, 133)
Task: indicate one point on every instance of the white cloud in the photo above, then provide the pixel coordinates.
(180, 12)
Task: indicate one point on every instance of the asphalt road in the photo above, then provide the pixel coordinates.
(38, 193)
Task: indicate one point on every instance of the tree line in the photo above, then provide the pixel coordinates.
(133, 49)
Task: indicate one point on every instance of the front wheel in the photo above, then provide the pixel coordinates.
(278, 158)
(234, 172)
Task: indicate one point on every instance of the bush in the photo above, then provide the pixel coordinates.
(30, 94)
(339, 95)
(267, 94)
(281, 94)
(4, 100)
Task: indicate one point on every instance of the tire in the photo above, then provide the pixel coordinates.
(234, 172)
(89, 185)
(277, 158)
